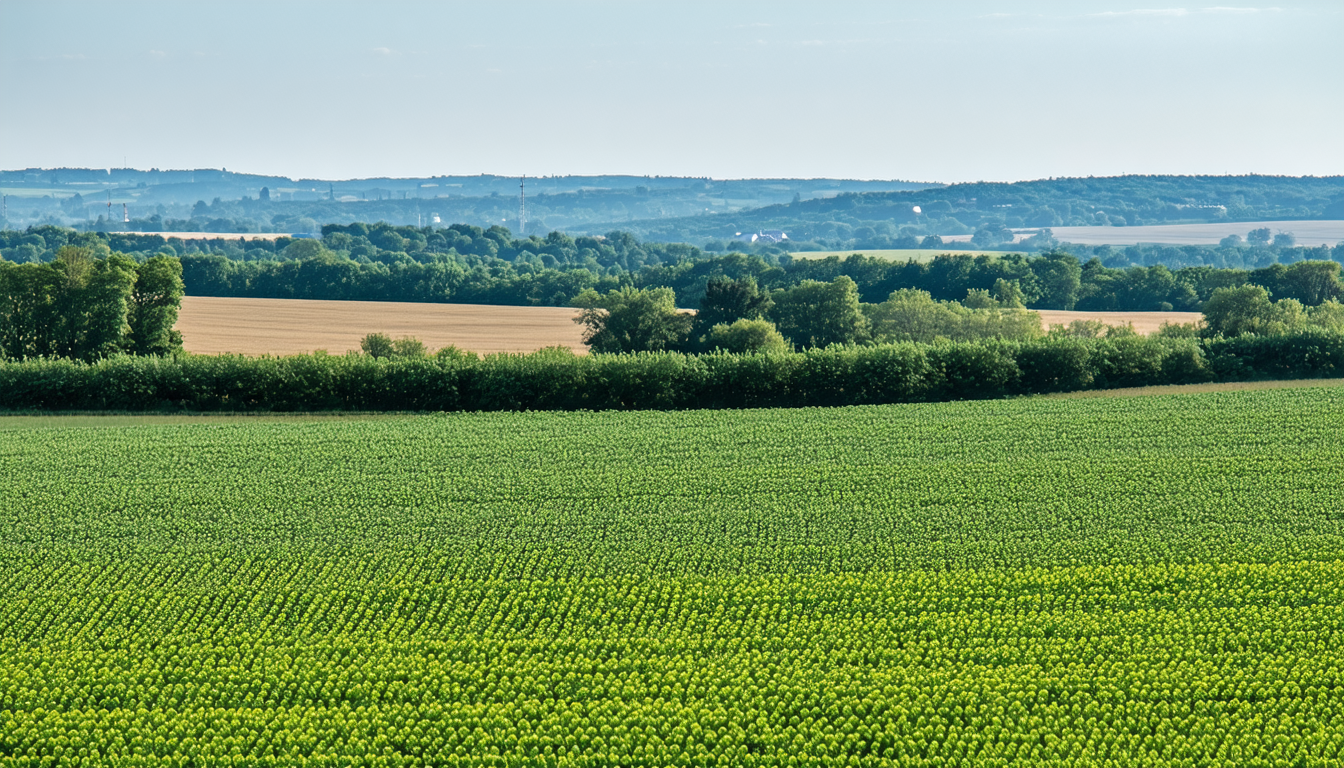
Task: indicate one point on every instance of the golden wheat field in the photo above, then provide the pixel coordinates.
(213, 325)
(1143, 322)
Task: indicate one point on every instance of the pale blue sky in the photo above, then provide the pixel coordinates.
(936, 91)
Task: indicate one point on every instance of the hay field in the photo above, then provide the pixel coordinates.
(213, 325)
(213, 235)
(900, 254)
(1310, 233)
(1144, 322)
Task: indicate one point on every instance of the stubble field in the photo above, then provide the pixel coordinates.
(211, 325)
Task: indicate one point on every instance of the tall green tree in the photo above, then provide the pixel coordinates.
(155, 300)
(816, 314)
(632, 320)
(727, 301)
(1060, 277)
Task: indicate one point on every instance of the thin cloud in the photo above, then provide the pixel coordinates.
(156, 54)
(1178, 12)
(382, 51)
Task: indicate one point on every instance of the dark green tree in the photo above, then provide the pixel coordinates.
(1060, 278)
(727, 301)
(632, 320)
(155, 300)
(816, 314)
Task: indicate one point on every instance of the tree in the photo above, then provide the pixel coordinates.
(1247, 309)
(726, 301)
(1060, 278)
(1284, 240)
(409, 346)
(377, 345)
(1258, 236)
(746, 336)
(155, 300)
(816, 314)
(1008, 293)
(632, 320)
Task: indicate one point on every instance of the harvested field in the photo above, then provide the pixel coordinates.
(896, 254)
(1311, 233)
(213, 325)
(1144, 322)
(213, 235)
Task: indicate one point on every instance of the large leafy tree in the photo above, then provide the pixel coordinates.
(816, 314)
(155, 300)
(632, 320)
(727, 301)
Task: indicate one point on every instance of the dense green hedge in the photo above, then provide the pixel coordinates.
(551, 380)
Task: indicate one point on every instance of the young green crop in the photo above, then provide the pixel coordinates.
(1113, 582)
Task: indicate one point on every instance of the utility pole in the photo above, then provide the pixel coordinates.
(522, 205)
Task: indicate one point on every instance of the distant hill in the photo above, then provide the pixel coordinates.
(220, 200)
(878, 219)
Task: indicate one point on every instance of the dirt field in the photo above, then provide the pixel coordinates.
(1310, 233)
(212, 325)
(1144, 322)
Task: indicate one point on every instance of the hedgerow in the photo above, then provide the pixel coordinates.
(558, 380)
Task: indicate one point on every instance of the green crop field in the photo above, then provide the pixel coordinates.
(1115, 581)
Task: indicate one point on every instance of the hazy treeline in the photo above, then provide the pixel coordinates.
(211, 200)
(888, 220)
(817, 214)
(468, 264)
(558, 380)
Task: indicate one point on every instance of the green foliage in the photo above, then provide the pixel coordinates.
(155, 300)
(559, 380)
(632, 320)
(381, 346)
(78, 306)
(1248, 309)
(746, 337)
(1137, 581)
(726, 301)
(910, 315)
(815, 314)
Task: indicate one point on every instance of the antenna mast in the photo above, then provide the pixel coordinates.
(522, 205)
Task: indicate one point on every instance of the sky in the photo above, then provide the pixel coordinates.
(924, 91)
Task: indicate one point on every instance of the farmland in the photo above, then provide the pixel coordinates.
(1310, 233)
(899, 254)
(1121, 581)
(211, 325)
(1143, 322)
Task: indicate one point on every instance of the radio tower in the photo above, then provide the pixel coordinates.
(522, 206)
